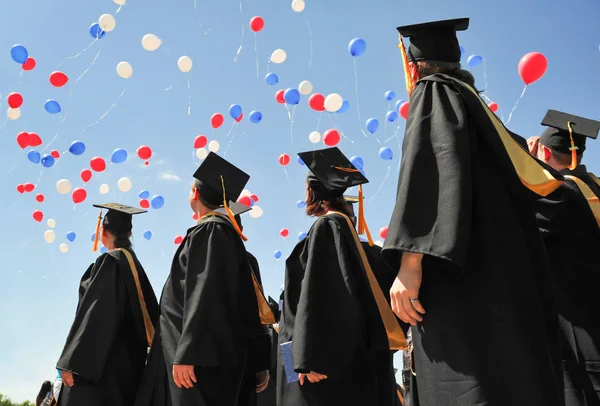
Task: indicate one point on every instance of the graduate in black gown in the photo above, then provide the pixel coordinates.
(569, 220)
(103, 359)
(473, 278)
(211, 306)
(268, 397)
(334, 314)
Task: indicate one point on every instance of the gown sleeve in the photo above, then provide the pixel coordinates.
(432, 215)
(100, 313)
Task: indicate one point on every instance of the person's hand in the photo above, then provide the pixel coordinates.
(262, 381)
(404, 293)
(533, 144)
(184, 376)
(67, 378)
(312, 376)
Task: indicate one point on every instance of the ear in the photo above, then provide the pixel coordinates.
(547, 152)
(195, 194)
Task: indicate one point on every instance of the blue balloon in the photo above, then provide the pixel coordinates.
(119, 156)
(391, 116)
(372, 125)
(301, 204)
(474, 60)
(386, 154)
(363, 239)
(77, 148)
(144, 194)
(390, 95)
(291, 96)
(252, 202)
(398, 104)
(148, 235)
(94, 237)
(277, 254)
(301, 162)
(271, 79)
(96, 31)
(235, 111)
(103, 250)
(357, 162)
(301, 236)
(255, 116)
(47, 161)
(52, 106)
(19, 54)
(462, 52)
(357, 47)
(362, 171)
(345, 107)
(157, 202)
(71, 236)
(34, 156)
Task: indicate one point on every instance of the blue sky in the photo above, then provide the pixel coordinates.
(38, 285)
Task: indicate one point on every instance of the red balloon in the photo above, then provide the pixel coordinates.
(86, 175)
(21, 188)
(254, 198)
(38, 216)
(279, 96)
(240, 118)
(28, 187)
(23, 139)
(245, 200)
(195, 216)
(79, 195)
(284, 232)
(34, 140)
(15, 100)
(97, 164)
(217, 120)
(493, 106)
(383, 232)
(146, 163)
(257, 24)
(200, 141)
(284, 159)
(532, 67)
(144, 204)
(55, 154)
(403, 110)
(40, 198)
(58, 79)
(29, 64)
(144, 152)
(178, 240)
(316, 101)
(331, 137)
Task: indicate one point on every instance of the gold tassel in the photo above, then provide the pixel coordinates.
(410, 84)
(230, 213)
(573, 148)
(97, 236)
(362, 223)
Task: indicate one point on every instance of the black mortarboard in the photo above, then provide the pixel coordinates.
(214, 174)
(434, 41)
(557, 136)
(237, 209)
(352, 199)
(117, 219)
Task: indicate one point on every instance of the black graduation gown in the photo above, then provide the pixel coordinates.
(268, 397)
(572, 238)
(328, 313)
(208, 314)
(490, 335)
(106, 348)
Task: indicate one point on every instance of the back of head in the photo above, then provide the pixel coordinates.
(452, 69)
(45, 390)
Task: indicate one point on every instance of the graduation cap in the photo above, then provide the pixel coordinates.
(237, 209)
(117, 219)
(567, 133)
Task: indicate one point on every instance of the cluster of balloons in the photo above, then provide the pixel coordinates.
(156, 202)
(249, 199)
(200, 143)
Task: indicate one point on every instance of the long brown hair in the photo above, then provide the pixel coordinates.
(316, 207)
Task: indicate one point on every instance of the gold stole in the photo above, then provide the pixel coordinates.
(589, 195)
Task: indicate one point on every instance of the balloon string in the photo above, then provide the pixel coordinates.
(393, 136)
(319, 121)
(106, 112)
(78, 54)
(337, 126)
(256, 54)
(231, 129)
(357, 100)
(516, 104)
(88, 68)
(243, 31)
(389, 170)
(229, 144)
(485, 82)
(310, 40)
(189, 98)
(119, 9)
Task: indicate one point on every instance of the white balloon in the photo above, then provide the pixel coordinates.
(63, 186)
(107, 22)
(278, 56)
(119, 2)
(124, 184)
(201, 153)
(379, 243)
(298, 6)
(214, 146)
(151, 42)
(104, 189)
(245, 192)
(305, 88)
(185, 64)
(51, 223)
(314, 137)
(49, 236)
(256, 212)
(13, 114)
(333, 102)
(64, 248)
(125, 70)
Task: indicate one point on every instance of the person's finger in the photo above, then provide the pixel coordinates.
(394, 301)
(409, 311)
(301, 378)
(419, 307)
(176, 378)
(401, 313)
(187, 379)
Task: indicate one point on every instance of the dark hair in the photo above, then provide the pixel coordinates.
(316, 208)
(44, 390)
(208, 205)
(121, 240)
(453, 69)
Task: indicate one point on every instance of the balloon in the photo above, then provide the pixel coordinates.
(64, 248)
(256, 212)
(245, 200)
(391, 116)
(39, 198)
(20, 188)
(317, 102)
(15, 100)
(278, 56)
(77, 148)
(86, 175)
(386, 154)
(305, 88)
(71, 236)
(144, 194)
(314, 137)
(119, 156)
(291, 96)
(284, 232)
(185, 64)
(201, 153)
(49, 236)
(300, 204)
(97, 164)
(29, 64)
(333, 102)
(103, 250)
(404, 110)
(257, 24)
(279, 96)
(271, 79)
(34, 156)
(28, 187)
(38, 216)
(277, 254)
(255, 116)
(462, 52)
(235, 111)
(79, 195)
(331, 137)
(124, 70)
(301, 162)
(144, 152)
(200, 141)
(51, 223)
(379, 243)
(151, 42)
(157, 202)
(474, 60)
(532, 66)
(345, 106)
(398, 104)
(493, 106)
(357, 162)
(55, 154)
(13, 114)
(178, 240)
(357, 47)
(298, 6)
(254, 198)
(19, 54)
(48, 161)
(63, 186)
(284, 159)
(217, 120)
(107, 22)
(52, 106)
(104, 189)
(389, 95)
(148, 235)
(23, 139)
(214, 146)
(124, 184)
(144, 203)
(120, 2)
(372, 125)
(96, 31)
(58, 79)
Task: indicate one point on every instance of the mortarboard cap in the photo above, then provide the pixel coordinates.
(351, 199)
(558, 137)
(434, 41)
(237, 209)
(117, 219)
(214, 174)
